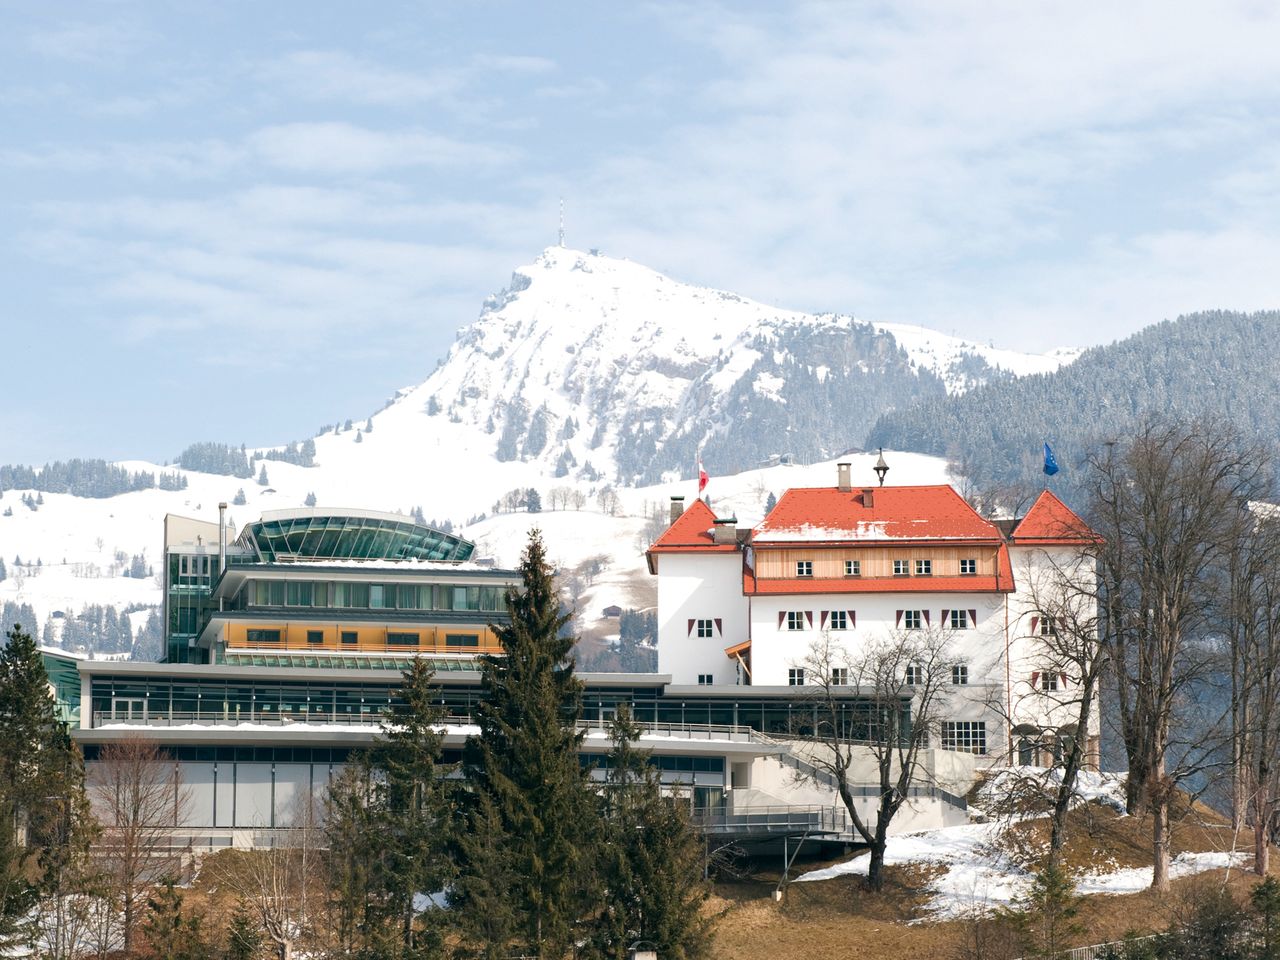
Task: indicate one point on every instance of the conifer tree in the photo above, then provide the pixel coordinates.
(533, 805)
(650, 860)
(171, 932)
(44, 815)
(262, 476)
(412, 813)
(244, 938)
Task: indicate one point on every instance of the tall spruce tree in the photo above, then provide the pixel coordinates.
(44, 813)
(532, 797)
(412, 813)
(650, 861)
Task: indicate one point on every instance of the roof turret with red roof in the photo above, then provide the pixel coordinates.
(1051, 523)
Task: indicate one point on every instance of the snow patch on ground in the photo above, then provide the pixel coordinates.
(1103, 788)
(977, 877)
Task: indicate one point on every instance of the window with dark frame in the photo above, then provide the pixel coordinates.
(838, 619)
(924, 568)
(914, 675)
(960, 675)
(705, 680)
(400, 639)
(912, 619)
(315, 636)
(959, 619)
(461, 640)
(1049, 682)
(968, 567)
(795, 677)
(350, 637)
(839, 676)
(704, 628)
(795, 619)
(966, 736)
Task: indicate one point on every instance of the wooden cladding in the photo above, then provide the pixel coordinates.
(399, 638)
(828, 562)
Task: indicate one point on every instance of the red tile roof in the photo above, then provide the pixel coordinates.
(828, 515)
(691, 533)
(1050, 522)
(1001, 583)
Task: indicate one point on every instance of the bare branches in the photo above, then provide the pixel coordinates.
(136, 791)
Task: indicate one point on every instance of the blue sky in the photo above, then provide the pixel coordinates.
(239, 221)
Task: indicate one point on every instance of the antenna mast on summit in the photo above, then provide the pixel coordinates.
(562, 221)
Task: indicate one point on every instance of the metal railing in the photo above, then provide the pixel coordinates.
(1093, 951)
(178, 718)
(775, 820)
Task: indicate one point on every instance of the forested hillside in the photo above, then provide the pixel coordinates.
(1213, 364)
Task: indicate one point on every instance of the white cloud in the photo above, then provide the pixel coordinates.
(346, 148)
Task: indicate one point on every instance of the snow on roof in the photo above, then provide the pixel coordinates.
(828, 514)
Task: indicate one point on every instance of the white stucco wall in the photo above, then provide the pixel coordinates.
(699, 587)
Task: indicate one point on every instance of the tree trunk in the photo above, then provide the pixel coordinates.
(284, 949)
(1160, 844)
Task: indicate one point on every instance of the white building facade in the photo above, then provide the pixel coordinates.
(844, 565)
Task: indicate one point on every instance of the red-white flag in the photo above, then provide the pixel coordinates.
(702, 477)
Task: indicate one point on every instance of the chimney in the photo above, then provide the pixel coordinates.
(843, 483)
(222, 542)
(726, 531)
(677, 508)
(868, 497)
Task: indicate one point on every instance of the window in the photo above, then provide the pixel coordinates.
(795, 619)
(899, 568)
(704, 628)
(462, 640)
(914, 675)
(960, 675)
(795, 677)
(959, 619)
(924, 568)
(263, 636)
(402, 639)
(838, 619)
(804, 568)
(968, 736)
(350, 637)
(1048, 626)
(839, 676)
(1048, 682)
(853, 568)
(315, 636)
(968, 567)
(705, 680)
(912, 619)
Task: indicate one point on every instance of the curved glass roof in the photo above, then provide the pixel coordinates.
(322, 535)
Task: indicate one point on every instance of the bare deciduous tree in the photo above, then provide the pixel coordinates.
(137, 794)
(1164, 502)
(900, 681)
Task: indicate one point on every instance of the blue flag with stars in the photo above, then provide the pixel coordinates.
(1050, 463)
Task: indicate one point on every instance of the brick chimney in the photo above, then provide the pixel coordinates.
(677, 508)
(843, 481)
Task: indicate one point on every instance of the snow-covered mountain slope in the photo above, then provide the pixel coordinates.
(586, 372)
(594, 366)
(961, 363)
(77, 540)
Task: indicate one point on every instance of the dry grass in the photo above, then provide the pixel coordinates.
(839, 918)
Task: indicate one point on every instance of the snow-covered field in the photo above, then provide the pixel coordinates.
(975, 876)
(76, 539)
